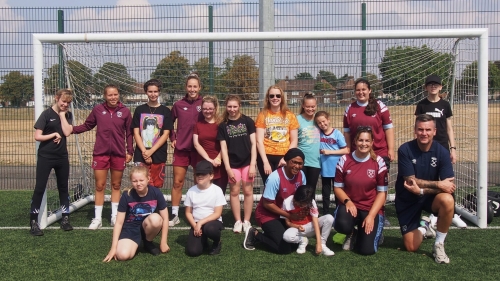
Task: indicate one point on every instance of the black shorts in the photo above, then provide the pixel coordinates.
(135, 234)
(409, 213)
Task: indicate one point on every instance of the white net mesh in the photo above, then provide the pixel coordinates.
(396, 69)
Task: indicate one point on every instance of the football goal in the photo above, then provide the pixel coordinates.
(326, 63)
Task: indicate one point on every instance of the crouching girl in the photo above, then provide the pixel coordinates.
(142, 214)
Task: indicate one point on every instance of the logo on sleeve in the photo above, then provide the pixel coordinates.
(434, 162)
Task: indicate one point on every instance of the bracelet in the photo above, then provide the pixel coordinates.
(453, 148)
(421, 192)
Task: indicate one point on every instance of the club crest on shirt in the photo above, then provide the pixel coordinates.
(104, 112)
(353, 115)
(52, 120)
(370, 173)
(198, 107)
(348, 172)
(434, 162)
(414, 161)
(297, 184)
(185, 108)
(119, 114)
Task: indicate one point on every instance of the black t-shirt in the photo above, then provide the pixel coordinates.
(440, 110)
(50, 122)
(237, 133)
(152, 121)
(137, 208)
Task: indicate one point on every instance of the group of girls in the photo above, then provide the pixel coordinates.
(221, 149)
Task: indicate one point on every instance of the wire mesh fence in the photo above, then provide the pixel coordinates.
(17, 147)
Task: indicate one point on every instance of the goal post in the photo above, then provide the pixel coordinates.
(478, 216)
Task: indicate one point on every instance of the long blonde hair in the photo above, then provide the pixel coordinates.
(225, 115)
(136, 169)
(213, 100)
(283, 106)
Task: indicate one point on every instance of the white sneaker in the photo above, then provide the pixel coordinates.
(175, 220)
(458, 222)
(113, 220)
(439, 253)
(326, 251)
(302, 245)
(434, 220)
(95, 224)
(246, 225)
(238, 226)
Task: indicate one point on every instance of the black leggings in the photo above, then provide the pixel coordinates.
(274, 161)
(366, 244)
(312, 175)
(211, 229)
(43, 168)
(273, 236)
(326, 191)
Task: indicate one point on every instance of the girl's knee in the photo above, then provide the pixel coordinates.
(153, 220)
(124, 254)
(100, 187)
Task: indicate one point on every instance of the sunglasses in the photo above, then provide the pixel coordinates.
(365, 128)
(277, 96)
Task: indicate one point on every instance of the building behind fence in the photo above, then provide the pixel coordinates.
(18, 24)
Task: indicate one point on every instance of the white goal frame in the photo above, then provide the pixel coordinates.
(480, 33)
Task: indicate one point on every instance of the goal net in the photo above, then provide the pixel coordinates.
(326, 63)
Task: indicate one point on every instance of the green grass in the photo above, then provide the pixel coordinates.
(77, 255)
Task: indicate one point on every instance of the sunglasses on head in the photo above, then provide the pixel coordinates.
(271, 96)
(364, 128)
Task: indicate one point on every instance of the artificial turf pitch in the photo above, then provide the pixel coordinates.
(78, 254)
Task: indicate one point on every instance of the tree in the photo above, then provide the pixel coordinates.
(116, 74)
(404, 69)
(172, 71)
(304, 76)
(242, 77)
(81, 78)
(328, 77)
(17, 88)
(469, 76)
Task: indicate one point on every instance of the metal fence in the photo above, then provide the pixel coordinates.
(17, 149)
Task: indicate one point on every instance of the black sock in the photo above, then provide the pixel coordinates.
(34, 217)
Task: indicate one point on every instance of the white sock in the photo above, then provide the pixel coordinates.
(98, 212)
(175, 210)
(114, 208)
(423, 230)
(440, 237)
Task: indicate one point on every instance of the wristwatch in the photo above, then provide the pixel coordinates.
(421, 192)
(346, 200)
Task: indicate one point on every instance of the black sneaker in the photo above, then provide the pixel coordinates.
(35, 228)
(151, 248)
(249, 242)
(65, 225)
(216, 249)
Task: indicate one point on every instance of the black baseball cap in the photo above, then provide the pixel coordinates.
(204, 167)
(433, 79)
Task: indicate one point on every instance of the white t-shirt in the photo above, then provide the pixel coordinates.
(204, 201)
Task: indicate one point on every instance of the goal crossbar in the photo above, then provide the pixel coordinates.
(480, 33)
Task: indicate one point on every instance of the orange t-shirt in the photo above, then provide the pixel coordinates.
(277, 131)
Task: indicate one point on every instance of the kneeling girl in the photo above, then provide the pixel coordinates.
(142, 214)
(204, 202)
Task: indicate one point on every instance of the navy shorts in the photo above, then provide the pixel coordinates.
(135, 234)
(409, 213)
